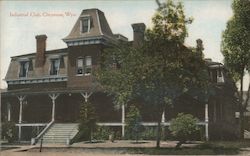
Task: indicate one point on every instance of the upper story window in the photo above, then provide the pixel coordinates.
(24, 68)
(88, 61)
(217, 76)
(85, 24)
(84, 65)
(220, 77)
(54, 68)
(79, 66)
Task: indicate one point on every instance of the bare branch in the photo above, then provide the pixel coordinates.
(158, 3)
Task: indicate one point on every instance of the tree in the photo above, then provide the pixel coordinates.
(171, 69)
(88, 120)
(160, 70)
(183, 127)
(235, 47)
(133, 122)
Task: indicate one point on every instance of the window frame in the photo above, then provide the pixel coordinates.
(82, 22)
(22, 66)
(220, 76)
(51, 67)
(77, 67)
(88, 66)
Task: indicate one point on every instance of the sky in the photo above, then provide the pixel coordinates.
(18, 32)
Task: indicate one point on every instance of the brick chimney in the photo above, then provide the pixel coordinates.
(40, 50)
(139, 30)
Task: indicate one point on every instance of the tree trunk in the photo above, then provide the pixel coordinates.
(158, 139)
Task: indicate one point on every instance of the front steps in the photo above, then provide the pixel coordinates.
(60, 133)
(246, 134)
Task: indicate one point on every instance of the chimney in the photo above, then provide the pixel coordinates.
(40, 50)
(139, 30)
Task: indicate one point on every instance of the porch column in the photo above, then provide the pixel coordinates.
(162, 122)
(206, 122)
(9, 111)
(86, 95)
(21, 99)
(163, 117)
(123, 120)
(53, 98)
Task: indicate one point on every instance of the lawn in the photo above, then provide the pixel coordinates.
(207, 148)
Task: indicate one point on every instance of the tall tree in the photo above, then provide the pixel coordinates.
(160, 70)
(236, 50)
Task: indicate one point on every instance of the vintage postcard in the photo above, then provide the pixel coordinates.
(125, 77)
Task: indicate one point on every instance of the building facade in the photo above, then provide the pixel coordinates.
(48, 86)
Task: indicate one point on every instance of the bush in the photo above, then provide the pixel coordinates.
(102, 133)
(133, 122)
(87, 123)
(9, 131)
(183, 127)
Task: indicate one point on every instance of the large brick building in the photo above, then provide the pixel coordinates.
(47, 87)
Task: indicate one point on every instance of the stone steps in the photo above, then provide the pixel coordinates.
(60, 133)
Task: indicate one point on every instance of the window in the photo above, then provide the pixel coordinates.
(220, 78)
(84, 65)
(88, 61)
(85, 24)
(214, 75)
(24, 68)
(54, 68)
(79, 64)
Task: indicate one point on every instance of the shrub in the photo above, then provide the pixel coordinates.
(183, 127)
(102, 133)
(87, 123)
(133, 123)
(9, 131)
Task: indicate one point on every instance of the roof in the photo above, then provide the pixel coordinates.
(99, 26)
(54, 51)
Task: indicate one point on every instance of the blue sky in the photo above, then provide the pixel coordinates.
(18, 33)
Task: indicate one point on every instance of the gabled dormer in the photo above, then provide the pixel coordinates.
(90, 28)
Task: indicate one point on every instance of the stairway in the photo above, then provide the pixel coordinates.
(60, 133)
(246, 134)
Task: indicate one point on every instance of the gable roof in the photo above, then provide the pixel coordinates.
(99, 27)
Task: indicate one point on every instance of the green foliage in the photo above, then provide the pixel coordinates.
(102, 133)
(148, 133)
(169, 22)
(235, 44)
(9, 131)
(183, 127)
(87, 123)
(117, 73)
(133, 123)
(235, 47)
(158, 71)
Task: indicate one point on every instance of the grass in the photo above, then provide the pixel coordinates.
(184, 151)
(229, 144)
(207, 148)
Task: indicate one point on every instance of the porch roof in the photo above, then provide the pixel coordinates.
(29, 91)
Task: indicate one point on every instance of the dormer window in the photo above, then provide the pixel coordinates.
(24, 68)
(85, 24)
(54, 68)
